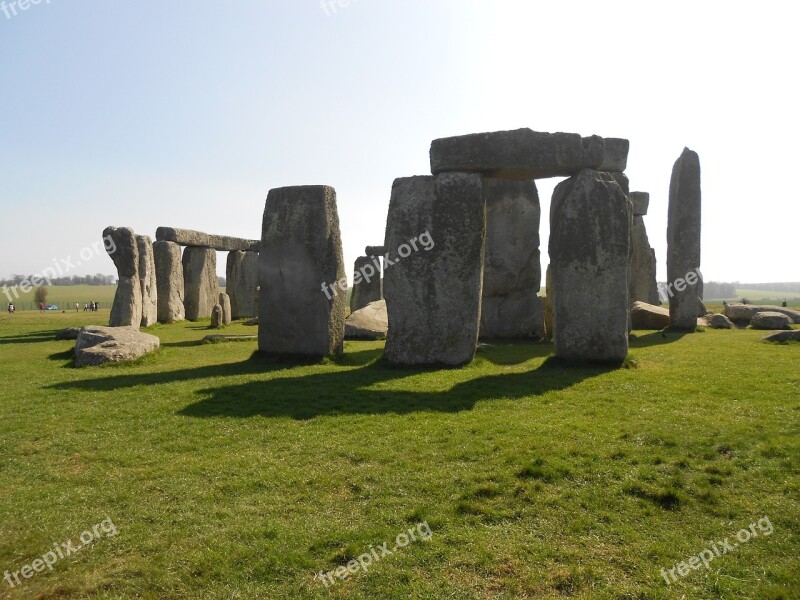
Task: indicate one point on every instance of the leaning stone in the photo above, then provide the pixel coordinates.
(147, 281)
(589, 252)
(433, 295)
(100, 345)
(615, 158)
(126, 310)
(520, 154)
(217, 317)
(744, 313)
(369, 323)
(683, 240)
(641, 202)
(201, 285)
(375, 250)
(367, 285)
(719, 322)
(771, 320)
(649, 316)
(198, 239)
(169, 281)
(70, 333)
(511, 306)
(241, 282)
(225, 303)
(782, 336)
(301, 257)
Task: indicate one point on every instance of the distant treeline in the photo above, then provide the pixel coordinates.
(716, 290)
(771, 287)
(98, 279)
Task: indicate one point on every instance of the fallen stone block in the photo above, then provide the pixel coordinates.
(369, 323)
(771, 320)
(649, 316)
(99, 345)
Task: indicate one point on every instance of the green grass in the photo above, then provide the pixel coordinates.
(232, 476)
(767, 297)
(65, 297)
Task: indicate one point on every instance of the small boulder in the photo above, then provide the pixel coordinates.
(782, 336)
(217, 317)
(719, 321)
(369, 323)
(99, 345)
(771, 320)
(649, 316)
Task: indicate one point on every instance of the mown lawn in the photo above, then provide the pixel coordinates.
(230, 476)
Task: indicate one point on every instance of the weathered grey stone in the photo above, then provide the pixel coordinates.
(99, 345)
(548, 304)
(641, 203)
(375, 251)
(217, 317)
(433, 296)
(70, 333)
(519, 154)
(719, 322)
(241, 283)
(198, 239)
(201, 287)
(369, 323)
(367, 284)
(649, 316)
(771, 320)
(124, 251)
(301, 257)
(744, 313)
(615, 158)
(225, 303)
(683, 240)
(782, 336)
(252, 322)
(589, 252)
(169, 281)
(147, 281)
(512, 276)
(644, 286)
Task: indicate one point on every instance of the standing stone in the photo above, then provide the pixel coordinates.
(124, 251)
(242, 280)
(644, 286)
(367, 286)
(225, 303)
(433, 295)
(217, 317)
(589, 252)
(147, 280)
(301, 258)
(548, 304)
(683, 241)
(201, 286)
(512, 276)
(169, 281)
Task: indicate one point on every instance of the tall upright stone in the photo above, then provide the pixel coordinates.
(169, 281)
(589, 253)
(241, 283)
(367, 284)
(512, 276)
(126, 310)
(643, 285)
(147, 280)
(201, 287)
(548, 304)
(683, 242)
(433, 291)
(225, 303)
(301, 307)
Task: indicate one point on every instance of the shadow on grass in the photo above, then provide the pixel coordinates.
(33, 337)
(354, 393)
(657, 338)
(514, 353)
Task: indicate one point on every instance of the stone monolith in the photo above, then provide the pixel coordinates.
(147, 280)
(367, 285)
(126, 310)
(201, 287)
(241, 283)
(169, 280)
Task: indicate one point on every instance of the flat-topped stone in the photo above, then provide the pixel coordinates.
(375, 251)
(782, 336)
(616, 155)
(99, 345)
(520, 154)
(641, 202)
(187, 237)
(771, 320)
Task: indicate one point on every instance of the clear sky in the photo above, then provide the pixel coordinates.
(185, 113)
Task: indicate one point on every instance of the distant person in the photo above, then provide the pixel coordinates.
(41, 306)
(10, 308)
(784, 305)
(96, 306)
(85, 307)
(77, 307)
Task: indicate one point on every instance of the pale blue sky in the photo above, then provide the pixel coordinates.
(185, 114)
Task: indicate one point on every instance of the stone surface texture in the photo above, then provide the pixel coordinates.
(126, 311)
(241, 274)
(187, 237)
(169, 281)
(147, 281)
(99, 345)
(201, 287)
(369, 323)
(367, 284)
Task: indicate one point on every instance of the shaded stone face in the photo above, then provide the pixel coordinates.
(433, 295)
(126, 311)
(367, 284)
(644, 285)
(198, 239)
(641, 203)
(201, 286)
(242, 281)
(521, 154)
(169, 279)
(147, 281)
(683, 241)
(615, 157)
(375, 250)
(301, 257)
(511, 306)
(589, 253)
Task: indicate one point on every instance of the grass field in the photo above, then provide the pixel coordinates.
(227, 475)
(65, 297)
